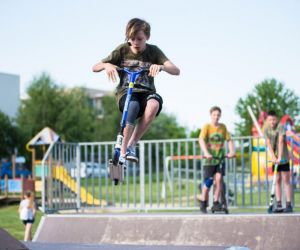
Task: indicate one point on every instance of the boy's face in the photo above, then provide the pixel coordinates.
(215, 116)
(138, 42)
(272, 121)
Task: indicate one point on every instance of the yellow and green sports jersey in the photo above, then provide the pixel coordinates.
(214, 137)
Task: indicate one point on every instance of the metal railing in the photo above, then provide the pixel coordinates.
(168, 176)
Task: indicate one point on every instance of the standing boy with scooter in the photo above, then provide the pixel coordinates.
(211, 139)
(277, 147)
(145, 103)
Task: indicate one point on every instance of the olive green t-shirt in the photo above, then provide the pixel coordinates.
(122, 56)
(273, 135)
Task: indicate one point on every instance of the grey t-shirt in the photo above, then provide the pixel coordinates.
(122, 56)
(273, 136)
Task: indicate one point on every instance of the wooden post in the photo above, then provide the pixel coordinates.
(33, 163)
(6, 186)
(13, 162)
(22, 186)
(50, 183)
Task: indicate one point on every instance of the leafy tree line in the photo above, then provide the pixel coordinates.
(267, 95)
(10, 136)
(65, 111)
(70, 114)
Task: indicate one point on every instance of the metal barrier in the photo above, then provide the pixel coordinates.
(168, 176)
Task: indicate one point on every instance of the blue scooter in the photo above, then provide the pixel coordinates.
(116, 170)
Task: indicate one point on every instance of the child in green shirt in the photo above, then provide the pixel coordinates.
(211, 140)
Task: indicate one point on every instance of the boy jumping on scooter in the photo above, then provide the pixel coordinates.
(145, 103)
(211, 140)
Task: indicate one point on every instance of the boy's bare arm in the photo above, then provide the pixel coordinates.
(109, 68)
(280, 148)
(231, 148)
(271, 151)
(99, 67)
(204, 148)
(170, 68)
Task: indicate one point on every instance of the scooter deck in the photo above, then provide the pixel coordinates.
(278, 210)
(116, 172)
(222, 211)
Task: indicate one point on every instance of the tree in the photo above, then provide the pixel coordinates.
(41, 107)
(9, 136)
(195, 133)
(77, 120)
(108, 127)
(66, 112)
(297, 128)
(165, 126)
(69, 113)
(267, 95)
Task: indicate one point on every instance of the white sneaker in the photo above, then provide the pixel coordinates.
(122, 160)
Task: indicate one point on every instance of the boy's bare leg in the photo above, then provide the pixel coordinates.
(218, 189)
(204, 199)
(151, 110)
(278, 186)
(205, 192)
(287, 185)
(128, 130)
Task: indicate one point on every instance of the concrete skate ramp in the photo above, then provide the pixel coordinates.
(259, 231)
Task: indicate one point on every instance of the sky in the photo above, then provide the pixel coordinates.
(223, 48)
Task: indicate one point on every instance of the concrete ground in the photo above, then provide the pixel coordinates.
(69, 246)
(171, 231)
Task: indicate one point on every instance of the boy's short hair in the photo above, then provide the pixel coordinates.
(215, 108)
(135, 25)
(272, 113)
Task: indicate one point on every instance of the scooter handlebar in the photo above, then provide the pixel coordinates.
(220, 158)
(132, 71)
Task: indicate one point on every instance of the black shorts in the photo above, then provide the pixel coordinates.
(28, 221)
(285, 167)
(210, 170)
(142, 99)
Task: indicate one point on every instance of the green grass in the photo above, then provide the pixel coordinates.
(263, 200)
(184, 192)
(9, 221)
(9, 218)
(110, 192)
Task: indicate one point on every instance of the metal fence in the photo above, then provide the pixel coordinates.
(168, 176)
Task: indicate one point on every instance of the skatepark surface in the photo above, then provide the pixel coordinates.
(69, 246)
(168, 231)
